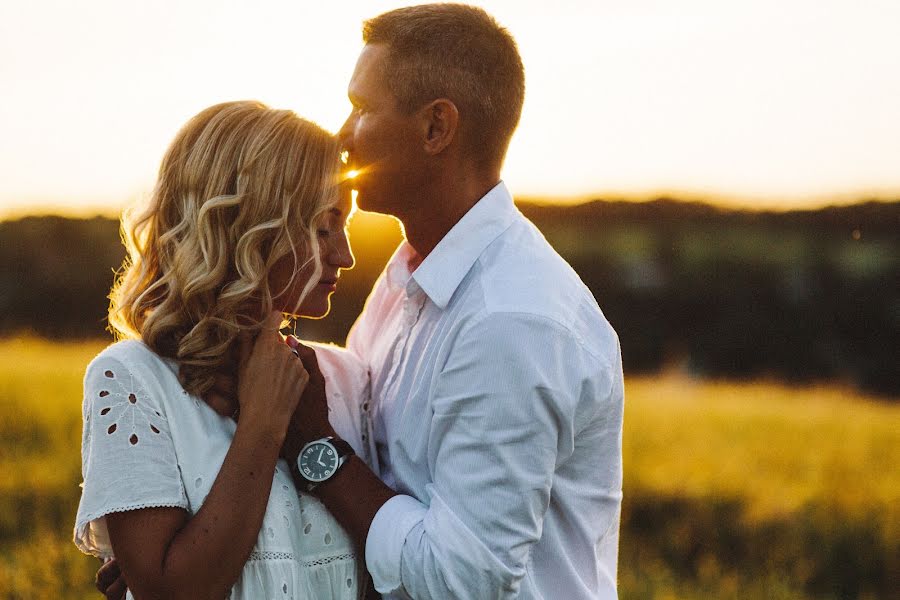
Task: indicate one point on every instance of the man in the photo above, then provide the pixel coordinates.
(496, 381)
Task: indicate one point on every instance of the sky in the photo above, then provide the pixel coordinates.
(762, 103)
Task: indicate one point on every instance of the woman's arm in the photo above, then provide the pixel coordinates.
(165, 554)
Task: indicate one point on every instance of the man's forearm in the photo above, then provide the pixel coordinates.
(353, 496)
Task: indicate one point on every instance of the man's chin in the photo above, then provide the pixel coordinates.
(369, 203)
(361, 200)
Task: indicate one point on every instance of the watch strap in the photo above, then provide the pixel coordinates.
(344, 449)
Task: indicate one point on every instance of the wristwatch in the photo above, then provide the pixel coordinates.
(320, 459)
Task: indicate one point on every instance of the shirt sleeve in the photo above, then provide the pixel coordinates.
(348, 390)
(506, 409)
(128, 459)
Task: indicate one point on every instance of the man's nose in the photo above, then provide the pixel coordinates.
(344, 134)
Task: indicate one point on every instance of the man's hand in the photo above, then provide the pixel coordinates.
(310, 419)
(110, 581)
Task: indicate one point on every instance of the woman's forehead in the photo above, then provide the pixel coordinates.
(344, 204)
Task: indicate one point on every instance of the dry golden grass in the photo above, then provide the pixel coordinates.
(779, 448)
(713, 473)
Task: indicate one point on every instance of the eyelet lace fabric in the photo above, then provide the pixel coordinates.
(327, 561)
(145, 443)
(126, 406)
(268, 555)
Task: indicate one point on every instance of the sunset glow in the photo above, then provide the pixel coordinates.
(764, 103)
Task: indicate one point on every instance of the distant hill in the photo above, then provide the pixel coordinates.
(800, 295)
(882, 218)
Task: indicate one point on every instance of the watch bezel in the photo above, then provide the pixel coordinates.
(342, 450)
(336, 460)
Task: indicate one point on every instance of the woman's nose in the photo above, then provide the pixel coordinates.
(340, 254)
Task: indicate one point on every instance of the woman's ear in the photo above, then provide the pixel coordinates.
(441, 118)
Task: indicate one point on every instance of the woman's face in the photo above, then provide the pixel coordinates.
(334, 248)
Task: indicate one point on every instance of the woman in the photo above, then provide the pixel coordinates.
(246, 223)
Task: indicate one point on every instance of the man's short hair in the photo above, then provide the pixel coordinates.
(459, 52)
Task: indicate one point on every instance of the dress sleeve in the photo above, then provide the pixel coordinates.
(128, 459)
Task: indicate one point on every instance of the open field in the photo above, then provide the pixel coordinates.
(731, 490)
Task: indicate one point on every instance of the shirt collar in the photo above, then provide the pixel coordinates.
(445, 267)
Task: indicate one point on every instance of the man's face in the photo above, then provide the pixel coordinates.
(384, 145)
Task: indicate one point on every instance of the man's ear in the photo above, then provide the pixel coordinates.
(441, 120)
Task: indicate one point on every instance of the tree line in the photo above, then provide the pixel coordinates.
(801, 295)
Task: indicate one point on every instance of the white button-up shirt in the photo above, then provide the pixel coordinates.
(497, 406)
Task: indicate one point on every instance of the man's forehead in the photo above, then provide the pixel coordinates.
(344, 205)
(369, 67)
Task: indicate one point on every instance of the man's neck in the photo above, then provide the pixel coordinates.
(440, 210)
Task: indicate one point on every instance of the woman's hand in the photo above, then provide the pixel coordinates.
(271, 379)
(110, 582)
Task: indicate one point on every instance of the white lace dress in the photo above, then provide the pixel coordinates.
(148, 443)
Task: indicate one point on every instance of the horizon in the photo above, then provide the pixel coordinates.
(90, 212)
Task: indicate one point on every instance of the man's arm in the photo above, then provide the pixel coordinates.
(355, 494)
(504, 415)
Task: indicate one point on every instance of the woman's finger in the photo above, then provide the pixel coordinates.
(117, 590)
(270, 325)
(273, 321)
(109, 571)
(245, 347)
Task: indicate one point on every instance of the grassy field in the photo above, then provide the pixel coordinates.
(731, 490)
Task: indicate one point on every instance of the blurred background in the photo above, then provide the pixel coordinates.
(723, 175)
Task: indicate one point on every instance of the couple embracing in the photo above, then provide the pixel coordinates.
(465, 444)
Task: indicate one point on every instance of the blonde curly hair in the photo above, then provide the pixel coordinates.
(241, 188)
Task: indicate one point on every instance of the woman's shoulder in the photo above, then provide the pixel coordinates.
(132, 356)
(125, 352)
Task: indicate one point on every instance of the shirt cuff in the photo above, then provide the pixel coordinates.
(387, 534)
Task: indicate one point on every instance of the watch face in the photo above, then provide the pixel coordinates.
(318, 461)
